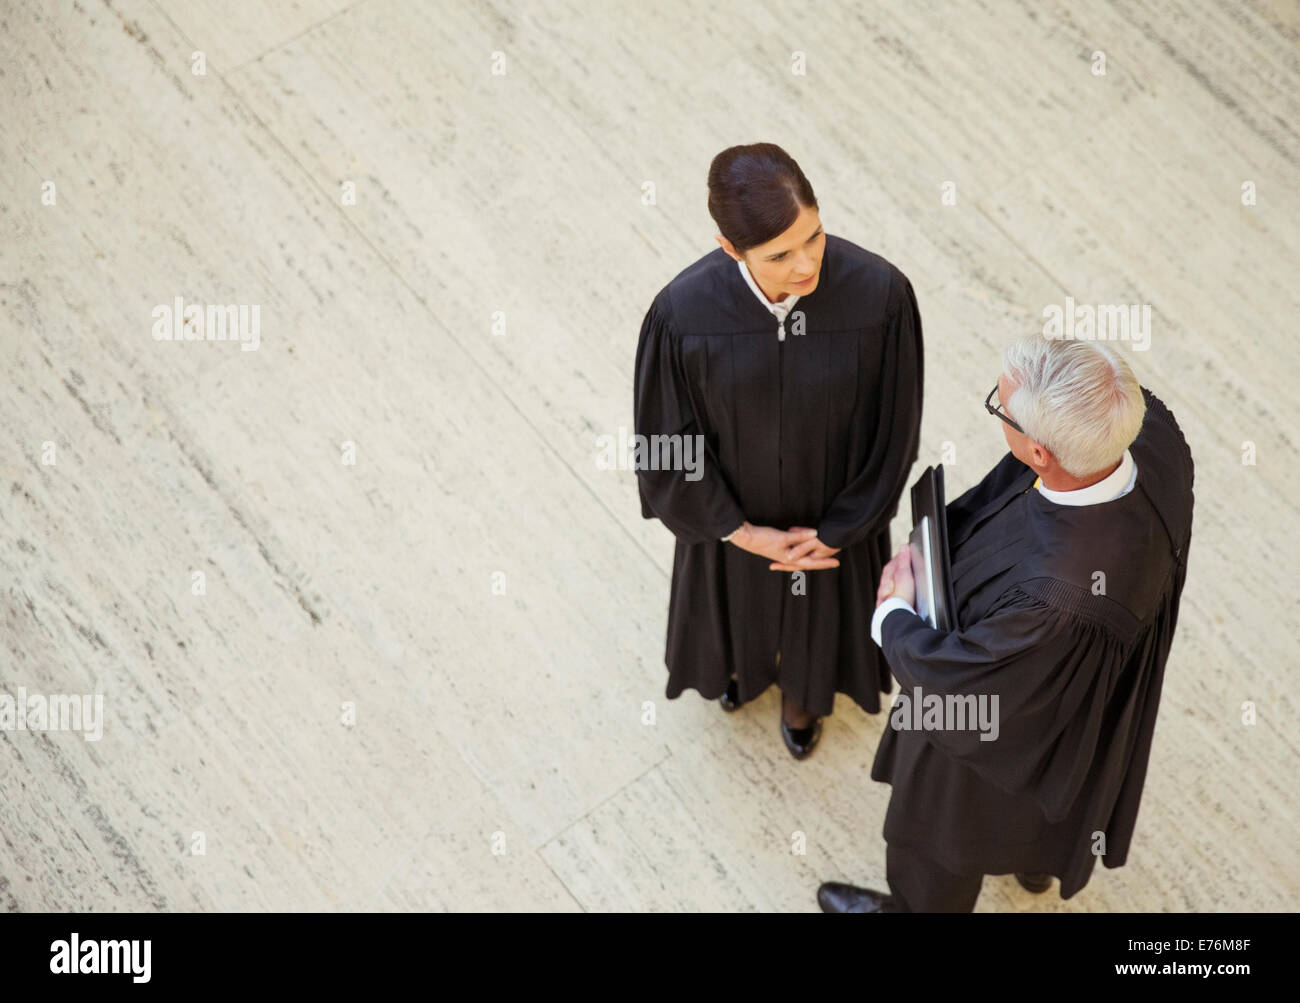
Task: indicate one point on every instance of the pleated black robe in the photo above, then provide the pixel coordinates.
(1078, 674)
(819, 429)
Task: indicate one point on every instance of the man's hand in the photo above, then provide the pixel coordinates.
(896, 579)
(810, 555)
(774, 544)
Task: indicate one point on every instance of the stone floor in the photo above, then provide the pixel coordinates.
(372, 629)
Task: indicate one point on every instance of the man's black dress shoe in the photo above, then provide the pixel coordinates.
(834, 896)
(731, 699)
(802, 741)
(1036, 883)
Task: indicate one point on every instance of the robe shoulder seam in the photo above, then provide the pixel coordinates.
(1073, 601)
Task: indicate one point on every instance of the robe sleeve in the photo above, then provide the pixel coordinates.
(696, 511)
(870, 499)
(1051, 674)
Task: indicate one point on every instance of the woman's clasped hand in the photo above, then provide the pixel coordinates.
(793, 549)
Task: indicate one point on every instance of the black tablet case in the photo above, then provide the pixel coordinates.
(928, 500)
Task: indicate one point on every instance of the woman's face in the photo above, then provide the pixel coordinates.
(790, 263)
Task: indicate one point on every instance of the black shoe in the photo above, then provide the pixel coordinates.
(802, 741)
(836, 897)
(731, 699)
(1036, 883)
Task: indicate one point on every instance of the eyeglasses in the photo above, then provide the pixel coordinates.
(996, 409)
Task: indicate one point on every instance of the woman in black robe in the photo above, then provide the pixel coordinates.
(795, 357)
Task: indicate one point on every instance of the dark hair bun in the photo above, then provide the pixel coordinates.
(755, 193)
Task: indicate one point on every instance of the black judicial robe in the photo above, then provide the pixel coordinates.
(1078, 674)
(819, 429)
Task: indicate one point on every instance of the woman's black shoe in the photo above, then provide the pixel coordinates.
(802, 741)
(1036, 883)
(731, 699)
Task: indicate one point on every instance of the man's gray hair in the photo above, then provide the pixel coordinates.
(1080, 399)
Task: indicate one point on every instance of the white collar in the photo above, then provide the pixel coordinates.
(779, 310)
(1116, 484)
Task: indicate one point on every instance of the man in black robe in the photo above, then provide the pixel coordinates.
(1067, 600)
(810, 422)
